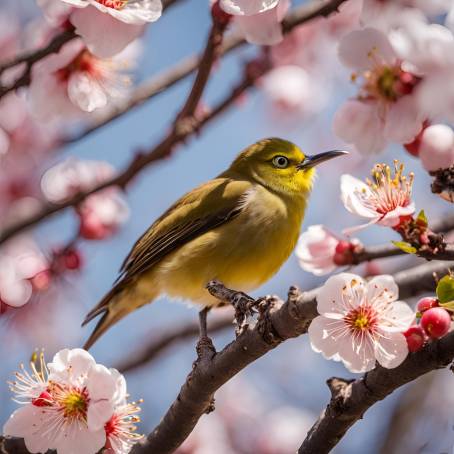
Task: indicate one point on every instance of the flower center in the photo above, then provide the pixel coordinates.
(114, 4)
(361, 319)
(387, 191)
(84, 62)
(75, 403)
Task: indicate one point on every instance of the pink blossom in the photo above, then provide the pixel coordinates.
(102, 213)
(316, 249)
(436, 149)
(108, 26)
(20, 262)
(385, 108)
(361, 322)
(69, 404)
(292, 90)
(384, 200)
(259, 21)
(74, 82)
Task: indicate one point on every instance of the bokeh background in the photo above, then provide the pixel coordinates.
(271, 404)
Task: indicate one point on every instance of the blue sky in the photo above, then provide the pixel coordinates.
(179, 33)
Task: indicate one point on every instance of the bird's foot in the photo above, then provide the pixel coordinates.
(264, 323)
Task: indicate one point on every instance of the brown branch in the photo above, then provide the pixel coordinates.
(163, 340)
(351, 400)
(280, 322)
(30, 58)
(389, 250)
(161, 82)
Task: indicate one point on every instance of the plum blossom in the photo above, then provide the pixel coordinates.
(22, 267)
(72, 405)
(316, 249)
(386, 108)
(75, 82)
(361, 322)
(108, 26)
(100, 214)
(384, 200)
(259, 21)
(320, 251)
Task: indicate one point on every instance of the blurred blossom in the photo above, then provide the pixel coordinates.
(21, 262)
(386, 108)
(55, 11)
(384, 200)
(316, 249)
(361, 322)
(108, 26)
(102, 214)
(83, 402)
(436, 149)
(292, 90)
(74, 81)
(71, 176)
(260, 22)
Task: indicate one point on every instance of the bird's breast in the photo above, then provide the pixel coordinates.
(242, 253)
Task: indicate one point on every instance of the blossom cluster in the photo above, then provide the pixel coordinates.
(72, 405)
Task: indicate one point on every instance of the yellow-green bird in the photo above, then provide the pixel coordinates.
(238, 228)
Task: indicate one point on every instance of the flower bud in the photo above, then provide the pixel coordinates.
(219, 15)
(437, 147)
(426, 303)
(41, 281)
(436, 322)
(416, 338)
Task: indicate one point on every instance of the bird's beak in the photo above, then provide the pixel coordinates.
(312, 161)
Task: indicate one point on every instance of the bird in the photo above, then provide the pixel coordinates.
(238, 228)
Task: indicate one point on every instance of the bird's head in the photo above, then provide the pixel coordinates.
(280, 165)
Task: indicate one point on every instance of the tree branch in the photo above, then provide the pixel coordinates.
(278, 323)
(161, 82)
(30, 58)
(352, 399)
(166, 339)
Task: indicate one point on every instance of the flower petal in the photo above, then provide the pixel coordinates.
(398, 318)
(392, 218)
(382, 288)
(98, 414)
(247, 7)
(322, 334)
(104, 35)
(391, 349)
(340, 294)
(357, 353)
(263, 29)
(351, 187)
(363, 49)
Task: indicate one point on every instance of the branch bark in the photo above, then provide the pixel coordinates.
(280, 322)
(168, 78)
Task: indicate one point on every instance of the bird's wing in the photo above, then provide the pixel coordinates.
(199, 211)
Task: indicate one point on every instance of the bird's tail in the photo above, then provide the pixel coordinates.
(118, 302)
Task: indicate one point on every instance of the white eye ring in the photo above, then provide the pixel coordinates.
(281, 162)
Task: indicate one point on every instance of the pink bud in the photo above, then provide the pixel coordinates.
(343, 246)
(426, 303)
(70, 259)
(437, 147)
(91, 228)
(436, 322)
(415, 338)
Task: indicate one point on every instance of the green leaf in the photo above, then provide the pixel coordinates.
(406, 247)
(445, 290)
(422, 218)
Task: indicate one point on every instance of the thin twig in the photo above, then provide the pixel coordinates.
(161, 82)
(163, 340)
(281, 322)
(30, 58)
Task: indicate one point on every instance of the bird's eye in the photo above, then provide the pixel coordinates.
(281, 162)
